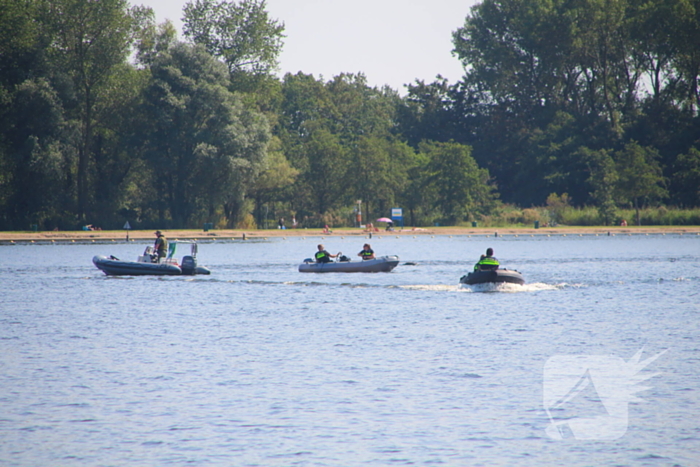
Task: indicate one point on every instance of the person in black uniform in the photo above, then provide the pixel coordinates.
(367, 252)
(487, 262)
(322, 256)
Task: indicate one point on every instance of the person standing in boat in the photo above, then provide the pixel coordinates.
(160, 247)
(367, 252)
(322, 256)
(488, 262)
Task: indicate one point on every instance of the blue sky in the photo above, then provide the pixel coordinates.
(392, 42)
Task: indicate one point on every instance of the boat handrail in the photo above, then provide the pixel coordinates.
(193, 246)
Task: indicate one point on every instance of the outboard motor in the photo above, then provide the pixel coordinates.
(189, 265)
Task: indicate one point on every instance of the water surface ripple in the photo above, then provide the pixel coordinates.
(260, 365)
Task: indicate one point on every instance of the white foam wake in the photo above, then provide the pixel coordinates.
(503, 287)
(434, 287)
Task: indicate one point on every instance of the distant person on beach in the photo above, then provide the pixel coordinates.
(322, 256)
(487, 262)
(367, 252)
(161, 246)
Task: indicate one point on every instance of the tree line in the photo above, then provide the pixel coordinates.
(107, 117)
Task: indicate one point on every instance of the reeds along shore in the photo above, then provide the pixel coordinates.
(141, 235)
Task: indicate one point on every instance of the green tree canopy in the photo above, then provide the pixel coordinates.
(205, 147)
(461, 187)
(241, 33)
(379, 173)
(327, 162)
(92, 39)
(640, 175)
(687, 178)
(603, 178)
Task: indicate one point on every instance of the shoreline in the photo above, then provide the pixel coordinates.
(226, 234)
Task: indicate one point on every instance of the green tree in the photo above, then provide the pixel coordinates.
(603, 178)
(306, 102)
(23, 85)
(379, 169)
(275, 181)
(606, 56)
(91, 39)
(462, 187)
(549, 162)
(302, 109)
(686, 178)
(557, 205)
(357, 110)
(36, 156)
(640, 175)
(240, 33)
(115, 163)
(685, 36)
(21, 44)
(435, 112)
(654, 27)
(417, 194)
(151, 38)
(327, 163)
(205, 148)
(354, 122)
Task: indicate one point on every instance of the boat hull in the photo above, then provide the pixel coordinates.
(116, 267)
(497, 276)
(381, 264)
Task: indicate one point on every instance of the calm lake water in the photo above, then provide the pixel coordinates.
(260, 365)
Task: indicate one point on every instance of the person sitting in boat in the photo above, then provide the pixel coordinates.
(487, 262)
(367, 252)
(322, 256)
(160, 247)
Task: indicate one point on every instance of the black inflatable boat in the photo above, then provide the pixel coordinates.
(495, 276)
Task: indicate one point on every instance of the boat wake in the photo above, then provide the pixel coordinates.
(454, 288)
(511, 288)
(503, 287)
(432, 287)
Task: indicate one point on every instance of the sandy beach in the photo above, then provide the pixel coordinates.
(133, 235)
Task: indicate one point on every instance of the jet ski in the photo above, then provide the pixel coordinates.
(495, 276)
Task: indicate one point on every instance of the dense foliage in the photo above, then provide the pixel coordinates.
(105, 117)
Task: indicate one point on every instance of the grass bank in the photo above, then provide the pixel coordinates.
(513, 217)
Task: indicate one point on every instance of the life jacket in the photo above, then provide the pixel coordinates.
(366, 254)
(161, 246)
(487, 263)
(322, 257)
